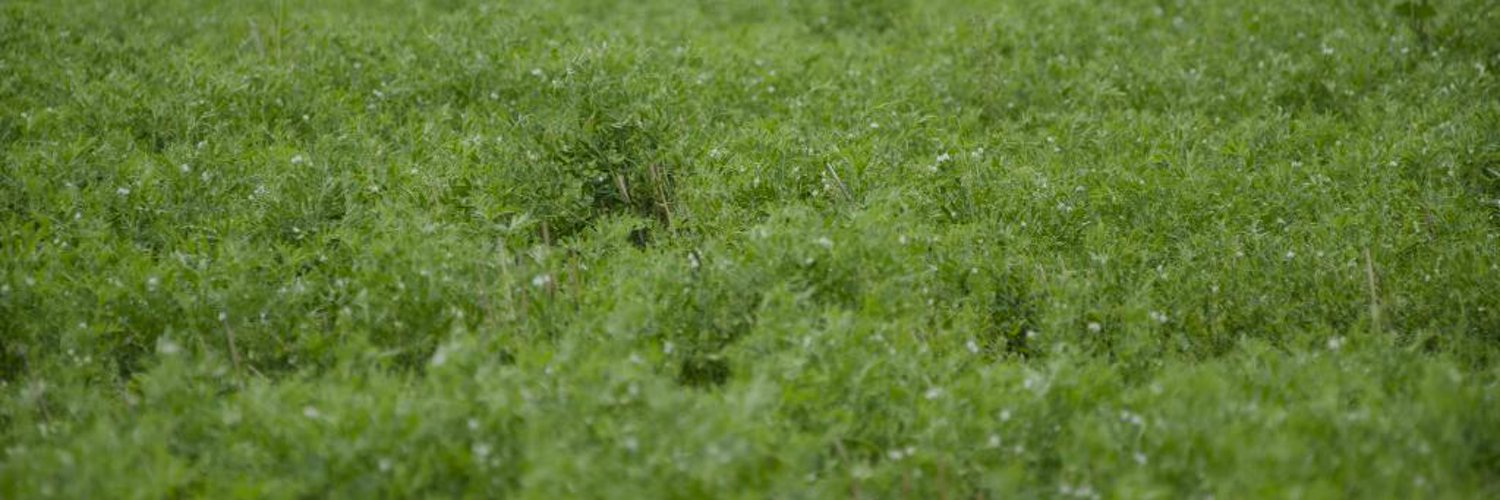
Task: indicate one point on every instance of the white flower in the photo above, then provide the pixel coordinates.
(123, 191)
(298, 160)
(1335, 343)
(942, 158)
(1095, 327)
(310, 412)
(973, 347)
(933, 393)
(166, 346)
(541, 280)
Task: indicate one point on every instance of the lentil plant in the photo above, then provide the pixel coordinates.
(733, 248)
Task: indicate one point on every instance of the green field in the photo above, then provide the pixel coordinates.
(759, 249)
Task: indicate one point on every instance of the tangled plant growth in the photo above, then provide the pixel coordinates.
(721, 247)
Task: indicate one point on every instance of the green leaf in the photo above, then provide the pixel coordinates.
(1417, 11)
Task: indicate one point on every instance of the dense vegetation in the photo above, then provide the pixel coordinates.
(826, 248)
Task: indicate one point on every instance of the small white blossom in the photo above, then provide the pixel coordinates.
(167, 347)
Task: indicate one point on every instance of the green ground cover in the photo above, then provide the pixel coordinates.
(722, 248)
